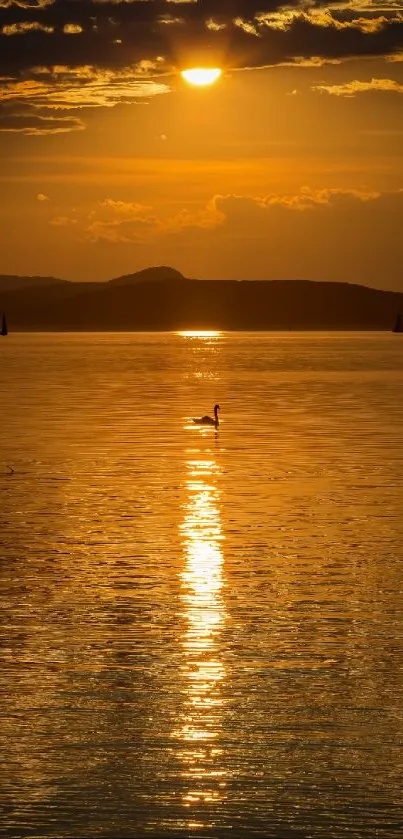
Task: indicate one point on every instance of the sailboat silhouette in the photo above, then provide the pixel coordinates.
(4, 330)
(398, 327)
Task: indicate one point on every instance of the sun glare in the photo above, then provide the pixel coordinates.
(199, 333)
(201, 76)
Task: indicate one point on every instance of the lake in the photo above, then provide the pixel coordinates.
(202, 632)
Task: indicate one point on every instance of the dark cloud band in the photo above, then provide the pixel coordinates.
(236, 33)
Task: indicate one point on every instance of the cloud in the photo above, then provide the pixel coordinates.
(311, 61)
(324, 18)
(122, 222)
(72, 29)
(25, 26)
(26, 4)
(61, 87)
(350, 89)
(36, 124)
(307, 199)
(42, 197)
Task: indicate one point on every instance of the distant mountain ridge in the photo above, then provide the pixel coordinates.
(159, 273)
(14, 282)
(162, 299)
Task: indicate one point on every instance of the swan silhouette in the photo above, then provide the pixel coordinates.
(208, 420)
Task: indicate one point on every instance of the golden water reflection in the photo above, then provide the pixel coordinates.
(203, 610)
(199, 333)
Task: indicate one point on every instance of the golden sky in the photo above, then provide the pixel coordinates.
(289, 166)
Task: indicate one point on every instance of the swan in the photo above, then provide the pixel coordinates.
(208, 420)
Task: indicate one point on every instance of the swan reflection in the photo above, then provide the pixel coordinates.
(203, 611)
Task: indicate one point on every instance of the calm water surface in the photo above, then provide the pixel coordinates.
(202, 633)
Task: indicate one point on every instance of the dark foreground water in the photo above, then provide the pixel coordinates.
(202, 634)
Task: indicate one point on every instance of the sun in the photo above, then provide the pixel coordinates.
(201, 76)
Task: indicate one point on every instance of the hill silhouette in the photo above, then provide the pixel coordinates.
(162, 299)
(160, 273)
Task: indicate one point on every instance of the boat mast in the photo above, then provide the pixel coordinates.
(398, 324)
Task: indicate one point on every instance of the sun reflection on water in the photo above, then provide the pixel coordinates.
(203, 610)
(199, 333)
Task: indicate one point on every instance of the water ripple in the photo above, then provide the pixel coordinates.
(201, 632)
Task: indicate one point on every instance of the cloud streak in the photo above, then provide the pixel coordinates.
(350, 89)
(37, 125)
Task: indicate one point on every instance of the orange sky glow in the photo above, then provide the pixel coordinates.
(288, 166)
